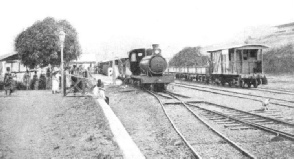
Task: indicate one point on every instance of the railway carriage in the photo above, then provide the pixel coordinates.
(192, 73)
(120, 66)
(105, 67)
(240, 65)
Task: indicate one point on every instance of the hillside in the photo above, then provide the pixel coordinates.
(274, 40)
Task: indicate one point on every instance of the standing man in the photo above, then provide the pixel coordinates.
(8, 81)
(27, 79)
(48, 78)
(34, 85)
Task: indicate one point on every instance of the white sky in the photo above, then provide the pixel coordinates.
(116, 26)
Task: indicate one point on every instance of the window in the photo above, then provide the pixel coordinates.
(253, 53)
(133, 57)
(245, 54)
(239, 54)
(231, 54)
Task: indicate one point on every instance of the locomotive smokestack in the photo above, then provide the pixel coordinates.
(155, 46)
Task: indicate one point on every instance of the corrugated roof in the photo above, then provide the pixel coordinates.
(236, 46)
(6, 56)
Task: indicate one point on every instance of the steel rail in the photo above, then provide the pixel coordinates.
(274, 91)
(232, 143)
(242, 93)
(279, 90)
(193, 87)
(174, 126)
(253, 114)
(270, 130)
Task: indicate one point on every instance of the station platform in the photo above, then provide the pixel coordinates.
(121, 136)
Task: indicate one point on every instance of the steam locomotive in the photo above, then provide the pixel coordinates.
(147, 67)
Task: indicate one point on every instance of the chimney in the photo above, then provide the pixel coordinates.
(155, 46)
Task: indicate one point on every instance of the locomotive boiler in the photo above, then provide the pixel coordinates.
(153, 65)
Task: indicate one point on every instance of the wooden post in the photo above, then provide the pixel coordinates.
(211, 63)
(221, 57)
(241, 61)
(235, 62)
(113, 72)
(261, 61)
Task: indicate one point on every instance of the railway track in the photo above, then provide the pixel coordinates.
(278, 91)
(275, 101)
(231, 120)
(178, 123)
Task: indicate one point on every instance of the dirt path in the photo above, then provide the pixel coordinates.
(38, 124)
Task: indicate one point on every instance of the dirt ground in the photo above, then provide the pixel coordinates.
(285, 82)
(38, 124)
(145, 121)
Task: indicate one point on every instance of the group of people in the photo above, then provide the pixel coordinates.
(54, 75)
(37, 83)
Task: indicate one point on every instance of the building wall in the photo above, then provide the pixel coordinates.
(15, 66)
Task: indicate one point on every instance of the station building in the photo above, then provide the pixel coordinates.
(12, 61)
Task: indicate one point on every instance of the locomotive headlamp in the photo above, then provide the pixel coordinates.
(157, 51)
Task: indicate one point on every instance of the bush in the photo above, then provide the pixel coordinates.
(1, 85)
(189, 56)
(279, 60)
(20, 86)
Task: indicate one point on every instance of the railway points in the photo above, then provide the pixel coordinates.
(237, 121)
(181, 125)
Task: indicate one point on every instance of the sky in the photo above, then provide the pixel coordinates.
(111, 28)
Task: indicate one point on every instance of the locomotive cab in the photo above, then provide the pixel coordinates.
(135, 56)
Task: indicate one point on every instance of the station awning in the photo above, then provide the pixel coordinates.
(244, 46)
(9, 57)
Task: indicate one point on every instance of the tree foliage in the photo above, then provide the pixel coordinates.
(39, 44)
(279, 60)
(189, 56)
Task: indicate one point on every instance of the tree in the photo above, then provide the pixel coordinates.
(279, 60)
(39, 44)
(189, 56)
